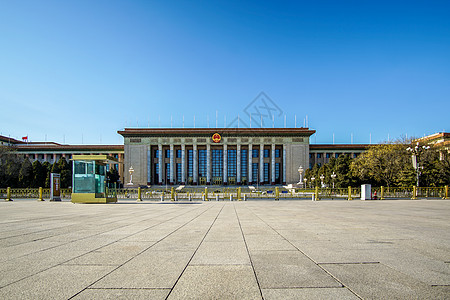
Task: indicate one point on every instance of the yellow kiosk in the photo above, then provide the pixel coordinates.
(89, 179)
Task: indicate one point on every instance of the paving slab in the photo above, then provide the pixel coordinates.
(60, 282)
(289, 269)
(377, 281)
(309, 293)
(221, 253)
(217, 282)
(125, 294)
(151, 269)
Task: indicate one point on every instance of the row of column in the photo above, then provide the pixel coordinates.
(208, 163)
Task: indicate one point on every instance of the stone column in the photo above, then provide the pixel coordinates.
(250, 165)
(225, 164)
(183, 164)
(149, 166)
(172, 165)
(261, 163)
(195, 158)
(284, 164)
(238, 163)
(273, 164)
(208, 164)
(160, 164)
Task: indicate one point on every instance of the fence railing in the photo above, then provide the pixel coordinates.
(242, 193)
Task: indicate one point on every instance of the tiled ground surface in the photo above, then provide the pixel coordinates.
(226, 250)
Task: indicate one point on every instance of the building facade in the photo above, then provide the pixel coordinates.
(220, 156)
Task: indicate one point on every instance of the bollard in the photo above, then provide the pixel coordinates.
(8, 194)
(349, 193)
(172, 196)
(245, 197)
(414, 193)
(139, 195)
(446, 192)
(217, 197)
(40, 195)
(231, 197)
(239, 194)
(176, 196)
(382, 193)
(189, 197)
(206, 194)
(277, 193)
(162, 197)
(203, 197)
(317, 193)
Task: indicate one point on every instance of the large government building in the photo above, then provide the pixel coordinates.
(202, 156)
(221, 156)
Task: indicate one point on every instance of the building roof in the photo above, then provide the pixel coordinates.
(339, 146)
(59, 147)
(134, 132)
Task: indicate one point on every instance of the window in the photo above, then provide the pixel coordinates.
(202, 163)
(244, 162)
(255, 172)
(355, 155)
(328, 155)
(277, 152)
(319, 164)
(319, 155)
(266, 172)
(255, 153)
(178, 153)
(310, 155)
(190, 163)
(167, 153)
(277, 172)
(179, 173)
(167, 172)
(336, 155)
(266, 153)
(232, 162)
(157, 172)
(217, 162)
(156, 153)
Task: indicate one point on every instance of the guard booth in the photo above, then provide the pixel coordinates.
(89, 180)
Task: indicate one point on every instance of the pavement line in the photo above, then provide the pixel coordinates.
(88, 287)
(248, 252)
(98, 247)
(335, 278)
(195, 251)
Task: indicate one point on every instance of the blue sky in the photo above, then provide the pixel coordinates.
(78, 71)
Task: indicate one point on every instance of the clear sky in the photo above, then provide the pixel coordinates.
(78, 71)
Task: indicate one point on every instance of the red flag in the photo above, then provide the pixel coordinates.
(25, 138)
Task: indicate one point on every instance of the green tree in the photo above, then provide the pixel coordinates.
(113, 176)
(65, 171)
(39, 174)
(9, 167)
(48, 168)
(26, 174)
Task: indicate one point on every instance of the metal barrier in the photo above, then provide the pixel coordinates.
(241, 193)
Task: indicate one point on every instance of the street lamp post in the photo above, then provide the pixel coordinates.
(333, 177)
(131, 170)
(416, 152)
(312, 181)
(321, 180)
(300, 171)
(305, 180)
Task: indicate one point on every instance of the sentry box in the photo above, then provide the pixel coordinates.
(89, 180)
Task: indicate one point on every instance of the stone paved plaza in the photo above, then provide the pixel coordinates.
(397, 249)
